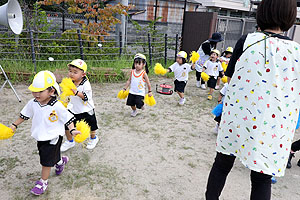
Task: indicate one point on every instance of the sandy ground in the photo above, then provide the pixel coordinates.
(166, 152)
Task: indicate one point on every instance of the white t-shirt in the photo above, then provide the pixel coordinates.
(137, 84)
(181, 72)
(48, 121)
(78, 105)
(225, 59)
(223, 91)
(212, 68)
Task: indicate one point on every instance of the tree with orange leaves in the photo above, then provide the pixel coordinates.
(91, 9)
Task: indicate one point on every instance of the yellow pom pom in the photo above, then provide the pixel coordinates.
(224, 66)
(149, 100)
(66, 86)
(194, 56)
(159, 69)
(5, 132)
(84, 129)
(204, 76)
(65, 103)
(120, 94)
(224, 79)
(125, 94)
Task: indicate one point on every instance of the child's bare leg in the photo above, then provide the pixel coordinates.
(181, 95)
(93, 134)
(211, 90)
(68, 134)
(218, 82)
(45, 172)
(133, 107)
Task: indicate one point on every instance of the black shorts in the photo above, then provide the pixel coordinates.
(135, 100)
(49, 153)
(179, 86)
(212, 82)
(89, 119)
(218, 119)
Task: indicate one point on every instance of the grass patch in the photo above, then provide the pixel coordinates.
(7, 164)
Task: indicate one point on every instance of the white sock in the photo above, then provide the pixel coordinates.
(44, 181)
(60, 162)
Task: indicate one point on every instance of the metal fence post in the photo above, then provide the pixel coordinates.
(32, 49)
(176, 46)
(120, 43)
(150, 51)
(166, 50)
(80, 44)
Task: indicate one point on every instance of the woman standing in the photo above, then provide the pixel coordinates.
(261, 106)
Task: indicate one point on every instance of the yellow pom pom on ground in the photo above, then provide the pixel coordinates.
(159, 69)
(66, 86)
(224, 66)
(204, 76)
(84, 129)
(5, 132)
(194, 56)
(224, 79)
(150, 101)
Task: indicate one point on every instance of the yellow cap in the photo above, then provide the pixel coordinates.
(182, 54)
(229, 49)
(215, 51)
(42, 81)
(139, 55)
(79, 64)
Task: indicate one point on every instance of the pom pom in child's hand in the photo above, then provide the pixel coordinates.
(123, 94)
(149, 100)
(159, 69)
(65, 103)
(84, 129)
(224, 79)
(204, 76)
(5, 132)
(66, 86)
(194, 57)
(224, 66)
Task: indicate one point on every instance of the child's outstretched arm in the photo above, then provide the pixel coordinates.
(148, 84)
(15, 125)
(72, 129)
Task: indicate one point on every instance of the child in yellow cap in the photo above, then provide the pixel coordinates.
(49, 117)
(181, 71)
(81, 104)
(137, 82)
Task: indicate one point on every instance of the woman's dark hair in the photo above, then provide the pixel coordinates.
(272, 14)
(140, 60)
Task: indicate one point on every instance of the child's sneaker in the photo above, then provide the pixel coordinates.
(215, 130)
(198, 84)
(39, 188)
(181, 101)
(92, 143)
(217, 87)
(133, 113)
(60, 168)
(67, 145)
(209, 97)
(203, 86)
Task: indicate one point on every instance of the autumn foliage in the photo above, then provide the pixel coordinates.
(106, 15)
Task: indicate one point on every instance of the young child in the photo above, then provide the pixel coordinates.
(220, 101)
(81, 104)
(181, 71)
(48, 120)
(224, 59)
(137, 80)
(213, 68)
